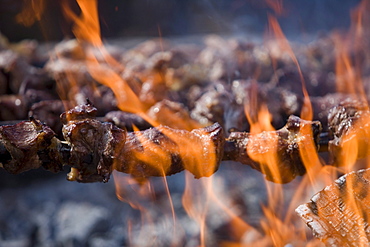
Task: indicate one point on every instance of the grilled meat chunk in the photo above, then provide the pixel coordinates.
(93, 144)
(256, 149)
(29, 145)
(349, 124)
(163, 151)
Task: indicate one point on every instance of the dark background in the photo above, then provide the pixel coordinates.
(135, 18)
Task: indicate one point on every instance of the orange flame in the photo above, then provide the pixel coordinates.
(276, 6)
(201, 197)
(348, 70)
(87, 30)
(32, 11)
(87, 27)
(284, 46)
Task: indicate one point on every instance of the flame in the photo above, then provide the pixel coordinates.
(201, 197)
(348, 69)
(348, 74)
(285, 47)
(32, 11)
(276, 6)
(86, 26)
(87, 31)
(204, 197)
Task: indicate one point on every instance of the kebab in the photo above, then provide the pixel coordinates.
(93, 148)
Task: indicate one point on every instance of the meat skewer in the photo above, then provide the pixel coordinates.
(93, 148)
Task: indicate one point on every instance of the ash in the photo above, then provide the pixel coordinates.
(48, 211)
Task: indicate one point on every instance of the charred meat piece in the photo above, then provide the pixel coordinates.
(349, 124)
(255, 150)
(163, 151)
(339, 215)
(126, 120)
(342, 117)
(49, 112)
(322, 106)
(93, 144)
(28, 145)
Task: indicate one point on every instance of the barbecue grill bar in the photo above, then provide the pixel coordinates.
(94, 148)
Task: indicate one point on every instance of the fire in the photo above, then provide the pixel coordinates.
(284, 46)
(350, 49)
(198, 156)
(87, 31)
(276, 6)
(32, 11)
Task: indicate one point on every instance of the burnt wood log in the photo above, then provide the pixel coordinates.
(339, 214)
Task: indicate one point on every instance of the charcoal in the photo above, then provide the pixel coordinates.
(338, 215)
(168, 151)
(93, 144)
